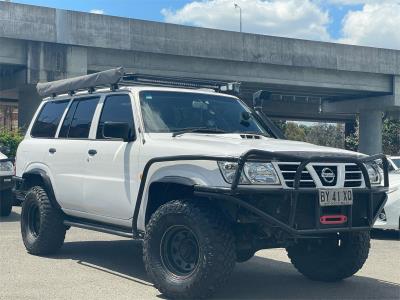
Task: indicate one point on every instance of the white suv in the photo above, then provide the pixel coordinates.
(196, 174)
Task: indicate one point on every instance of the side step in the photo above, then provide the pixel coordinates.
(105, 228)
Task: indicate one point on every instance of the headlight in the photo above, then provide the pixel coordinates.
(254, 173)
(228, 170)
(6, 166)
(375, 173)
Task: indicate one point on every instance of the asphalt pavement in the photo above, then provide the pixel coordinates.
(93, 265)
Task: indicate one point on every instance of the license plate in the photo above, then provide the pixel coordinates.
(335, 197)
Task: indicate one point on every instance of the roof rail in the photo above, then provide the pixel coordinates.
(115, 77)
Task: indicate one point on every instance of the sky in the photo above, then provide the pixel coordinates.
(359, 22)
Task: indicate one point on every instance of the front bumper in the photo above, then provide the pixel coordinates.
(297, 212)
(6, 182)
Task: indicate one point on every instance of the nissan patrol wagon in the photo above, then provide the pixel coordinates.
(203, 179)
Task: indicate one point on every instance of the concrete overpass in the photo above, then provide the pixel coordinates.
(310, 80)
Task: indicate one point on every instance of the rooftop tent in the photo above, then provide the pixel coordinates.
(109, 77)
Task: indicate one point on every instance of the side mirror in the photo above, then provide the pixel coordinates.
(117, 130)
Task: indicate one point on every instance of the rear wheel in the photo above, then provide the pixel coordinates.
(6, 202)
(331, 259)
(42, 228)
(189, 249)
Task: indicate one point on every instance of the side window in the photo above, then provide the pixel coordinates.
(116, 108)
(48, 119)
(78, 120)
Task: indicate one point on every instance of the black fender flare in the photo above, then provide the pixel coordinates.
(179, 180)
(48, 186)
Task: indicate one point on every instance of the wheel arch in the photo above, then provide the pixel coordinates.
(40, 177)
(166, 189)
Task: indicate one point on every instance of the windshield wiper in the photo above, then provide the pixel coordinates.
(198, 129)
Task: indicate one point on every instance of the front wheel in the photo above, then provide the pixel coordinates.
(6, 202)
(189, 249)
(331, 259)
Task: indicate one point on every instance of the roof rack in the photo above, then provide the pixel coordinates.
(115, 77)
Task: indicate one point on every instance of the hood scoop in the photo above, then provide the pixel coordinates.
(250, 136)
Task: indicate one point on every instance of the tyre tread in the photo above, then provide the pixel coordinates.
(52, 230)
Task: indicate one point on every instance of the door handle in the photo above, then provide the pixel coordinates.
(52, 150)
(92, 152)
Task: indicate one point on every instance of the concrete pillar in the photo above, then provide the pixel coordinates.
(28, 102)
(370, 132)
(47, 62)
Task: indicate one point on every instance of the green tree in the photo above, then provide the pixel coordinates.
(294, 132)
(9, 140)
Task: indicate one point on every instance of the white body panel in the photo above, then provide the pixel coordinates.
(105, 187)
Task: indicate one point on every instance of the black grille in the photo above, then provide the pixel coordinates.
(353, 177)
(289, 171)
(327, 174)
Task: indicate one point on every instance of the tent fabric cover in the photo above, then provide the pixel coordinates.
(78, 83)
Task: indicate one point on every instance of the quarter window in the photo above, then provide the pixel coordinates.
(78, 120)
(116, 108)
(49, 118)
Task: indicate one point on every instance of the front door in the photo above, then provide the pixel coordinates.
(111, 180)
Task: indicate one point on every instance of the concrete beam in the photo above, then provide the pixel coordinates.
(277, 75)
(12, 52)
(90, 30)
(302, 111)
(382, 103)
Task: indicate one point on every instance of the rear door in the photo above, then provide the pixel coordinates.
(112, 179)
(42, 136)
(68, 153)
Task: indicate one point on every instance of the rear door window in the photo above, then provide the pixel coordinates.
(48, 119)
(79, 118)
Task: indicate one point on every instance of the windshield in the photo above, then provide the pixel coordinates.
(165, 111)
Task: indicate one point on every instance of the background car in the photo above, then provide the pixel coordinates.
(6, 185)
(389, 218)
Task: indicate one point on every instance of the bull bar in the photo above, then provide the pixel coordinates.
(232, 193)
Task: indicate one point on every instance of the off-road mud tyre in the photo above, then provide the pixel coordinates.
(6, 202)
(42, 228)
(209, 237)
(326, 260)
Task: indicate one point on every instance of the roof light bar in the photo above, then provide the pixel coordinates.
(181, 82)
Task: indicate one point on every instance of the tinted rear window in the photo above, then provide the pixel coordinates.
(49, 118)
(78, 120)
